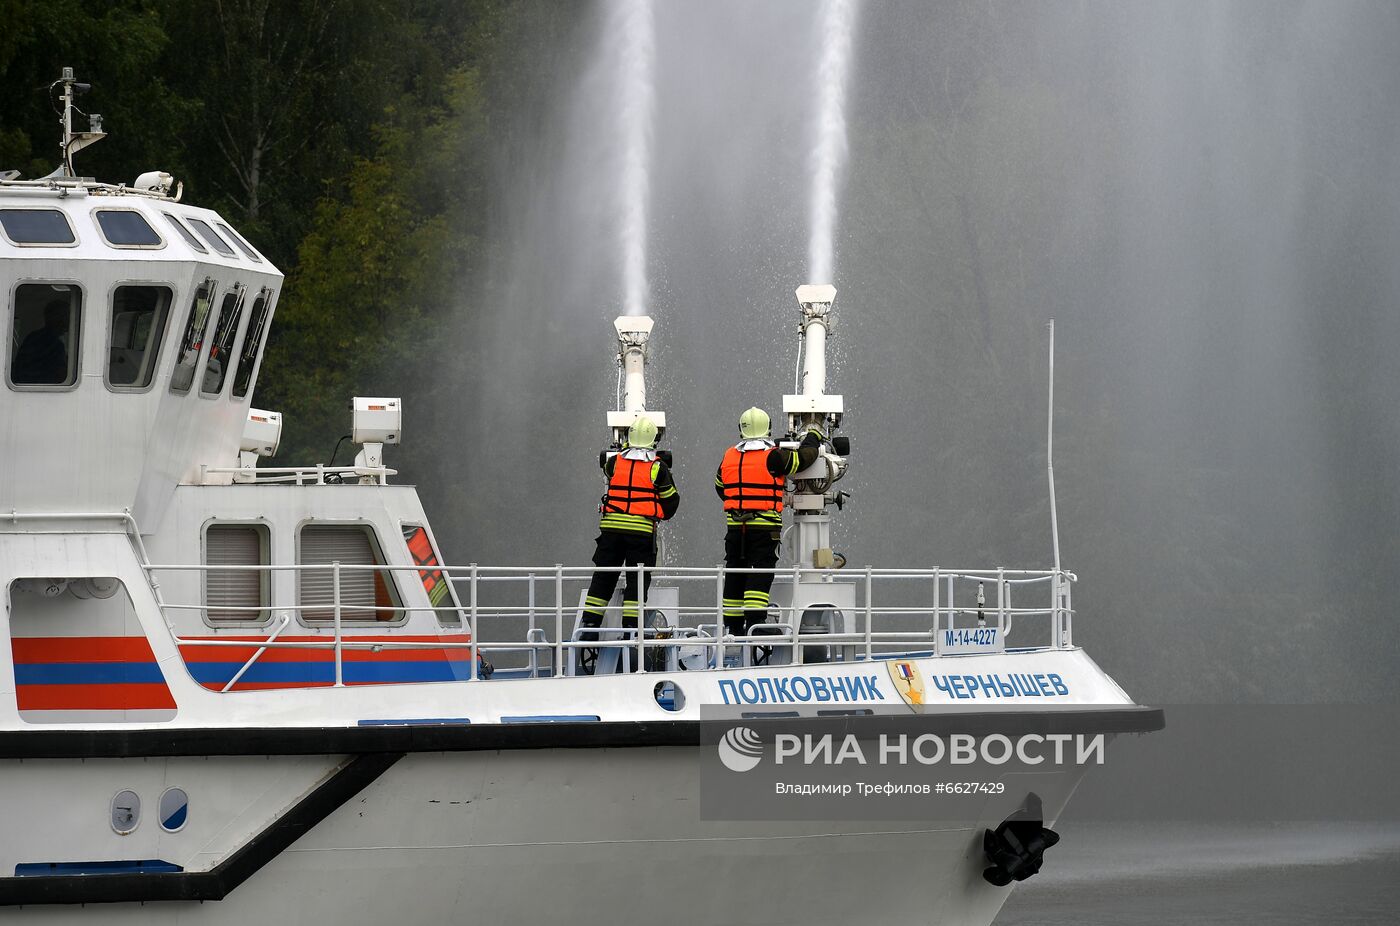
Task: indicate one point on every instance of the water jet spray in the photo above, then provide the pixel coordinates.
(829, 145)
(633, 21)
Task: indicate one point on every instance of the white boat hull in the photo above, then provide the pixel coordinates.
(571, 836)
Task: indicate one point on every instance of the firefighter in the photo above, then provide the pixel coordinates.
(640, 493)
(750, 481)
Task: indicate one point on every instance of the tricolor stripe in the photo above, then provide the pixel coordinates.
(298, 667)
(88, 674)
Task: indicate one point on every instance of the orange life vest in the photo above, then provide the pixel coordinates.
(631, 489)
(747, 483)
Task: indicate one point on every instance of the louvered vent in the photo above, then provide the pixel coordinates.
(232, 595)
(364, 595)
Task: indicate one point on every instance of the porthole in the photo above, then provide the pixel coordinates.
(126, 812)
(174, 810)
(669, 696)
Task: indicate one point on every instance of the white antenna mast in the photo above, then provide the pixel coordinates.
(73, 142)
(1050, 470)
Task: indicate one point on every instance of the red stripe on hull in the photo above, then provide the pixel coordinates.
(269, 686)
(193, 652)
(131, 697)
(81, 649)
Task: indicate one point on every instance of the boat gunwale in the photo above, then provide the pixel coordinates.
(436, 736)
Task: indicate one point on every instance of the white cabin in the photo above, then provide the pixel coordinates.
(135, 326)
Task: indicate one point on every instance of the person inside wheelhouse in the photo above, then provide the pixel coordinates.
(42, 357)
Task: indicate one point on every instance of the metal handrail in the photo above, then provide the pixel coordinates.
(282, 625)
(129, 526)
(866, 642)
(299, 475)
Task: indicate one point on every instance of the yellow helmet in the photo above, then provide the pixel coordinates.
(642, 433)
(754, 423)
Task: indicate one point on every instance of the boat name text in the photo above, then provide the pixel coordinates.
(801, 689)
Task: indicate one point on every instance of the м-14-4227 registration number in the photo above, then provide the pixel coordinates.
(970, 636)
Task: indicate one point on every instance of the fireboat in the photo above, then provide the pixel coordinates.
(234, 692)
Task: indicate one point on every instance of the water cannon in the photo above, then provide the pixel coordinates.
(262, 433)
(633, 335)
(812, 408)
(375, 422)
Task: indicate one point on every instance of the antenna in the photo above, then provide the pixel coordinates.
(1050, 470)
(73, 142)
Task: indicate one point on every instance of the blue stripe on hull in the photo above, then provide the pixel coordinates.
(218, 673)
(135, 866)
(88, 673)
(323, 673)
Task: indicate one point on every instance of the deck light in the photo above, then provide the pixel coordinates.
(262, 433)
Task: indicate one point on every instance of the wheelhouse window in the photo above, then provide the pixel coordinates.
(366, 596)
(435, 582)
(252, 344)
(196, 323)
(45, 335)
(185, 233)
(139, 314)
(211, 236)
(243, 246)
(237, 595)
(37, 227)
(221, 351)
(126, 228)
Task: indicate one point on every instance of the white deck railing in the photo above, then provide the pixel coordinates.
(527, 612)
(317, 475)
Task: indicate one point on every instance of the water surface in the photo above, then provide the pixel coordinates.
(1150, 875)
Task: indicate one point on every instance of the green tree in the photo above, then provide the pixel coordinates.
(118, 48)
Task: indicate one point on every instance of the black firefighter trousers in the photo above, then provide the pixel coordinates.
(748, 546)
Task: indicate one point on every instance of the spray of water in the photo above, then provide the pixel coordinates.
(837, 25)
(632, 21)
